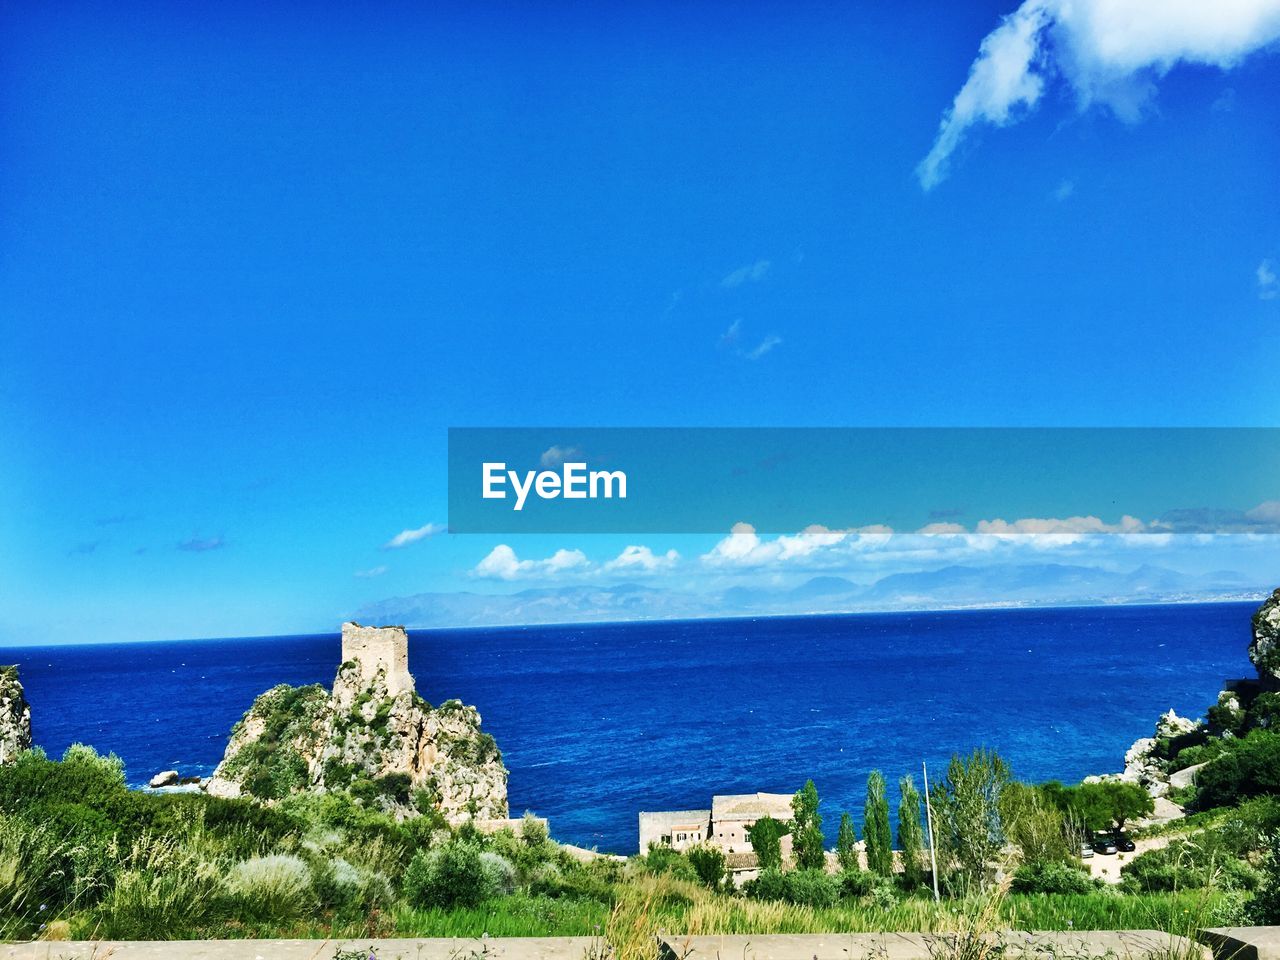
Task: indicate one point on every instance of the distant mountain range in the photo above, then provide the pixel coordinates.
(1047, 584)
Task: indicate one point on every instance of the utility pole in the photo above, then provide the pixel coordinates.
(928, 816)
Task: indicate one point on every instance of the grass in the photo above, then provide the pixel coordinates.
(518, 915)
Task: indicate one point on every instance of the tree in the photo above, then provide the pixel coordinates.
(910, 834)
(1034, 821)
(709, 864)
(806, 829)
(766, 840)
(1108, 804)
(967, 813)
(846, 844)
(875, 828)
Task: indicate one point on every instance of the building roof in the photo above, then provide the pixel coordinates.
(751, 806)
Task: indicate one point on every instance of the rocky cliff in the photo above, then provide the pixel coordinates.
(1264, 648)
(15, 716)
(1171, 758)
(371, 735)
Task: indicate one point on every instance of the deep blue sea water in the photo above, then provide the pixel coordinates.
(599, 722)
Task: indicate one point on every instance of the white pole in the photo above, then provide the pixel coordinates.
(928, 816)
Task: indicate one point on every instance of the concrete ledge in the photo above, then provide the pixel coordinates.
(1117, 944)
(439, 948)
(1242, 943)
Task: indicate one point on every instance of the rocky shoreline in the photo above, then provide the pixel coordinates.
(1155, 762)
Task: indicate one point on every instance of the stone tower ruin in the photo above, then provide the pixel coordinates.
(379, 649)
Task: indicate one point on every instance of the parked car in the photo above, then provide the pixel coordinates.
(1124, 844)
(1086, 850)
(1104, 845)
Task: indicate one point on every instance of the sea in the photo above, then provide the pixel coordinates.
(599, 722)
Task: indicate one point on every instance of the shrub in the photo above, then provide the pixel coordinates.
(1264, 909)
(769, 884)
(1250, 767)
(1202, 862)
(857, 883)
(661, 859)
(500, 875)
(1052, 876)
(449, 875)
(1264, 712)
(348, 890)
(812, 888)
(709, 864)
(276, 887)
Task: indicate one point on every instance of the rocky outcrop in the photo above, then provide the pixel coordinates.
(15, 716)
(371, 735)
(165, 778)
(1264, 648)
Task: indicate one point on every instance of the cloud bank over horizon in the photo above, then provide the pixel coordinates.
(1109, 53)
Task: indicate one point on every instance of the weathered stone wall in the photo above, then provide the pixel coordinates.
(15, 716)
(379, 649)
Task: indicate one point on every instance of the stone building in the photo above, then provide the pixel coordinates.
(725, 825)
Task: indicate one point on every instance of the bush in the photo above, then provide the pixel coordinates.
(1264, 712)
(1202, 862)
(1249, 768)
(276, 887)
(769, 884)
(500, 875)
(812, 888)
(662, 859)
(857, 883)
(1053, 876)
(450, 875)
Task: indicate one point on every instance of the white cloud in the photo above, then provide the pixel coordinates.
(743, 547)
(1268, 282)
(554, 457)
(501, 563)
(751, 272)
(406, 537)
(765, 345)
(371, 573)
(638, 559)
(1110, 52)
(730, 337)
(1064, 190)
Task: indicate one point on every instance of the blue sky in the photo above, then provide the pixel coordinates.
(254, 262)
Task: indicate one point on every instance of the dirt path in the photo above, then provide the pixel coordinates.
(1107, 866)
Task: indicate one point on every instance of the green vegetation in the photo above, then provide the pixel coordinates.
(83, 856)
(766, 840)
(806, 829)
(875, 830)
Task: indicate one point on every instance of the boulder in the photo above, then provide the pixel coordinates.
(15, 716)
(165, 778)
(1185, 777)
(1264, 648)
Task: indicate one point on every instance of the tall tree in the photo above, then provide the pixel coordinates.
(875, 827)
(967, 818)
(806, 829)
(766, 840)
(910, 834)
(847, 843)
